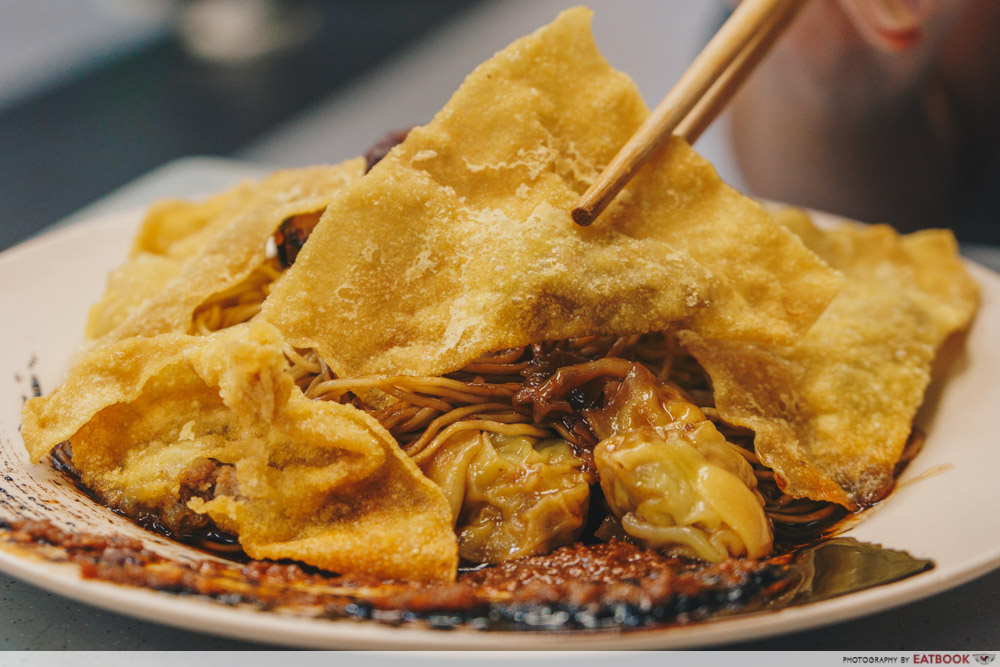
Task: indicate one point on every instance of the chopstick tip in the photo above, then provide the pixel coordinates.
(582, 216)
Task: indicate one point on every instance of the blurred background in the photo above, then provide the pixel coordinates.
(95, 93)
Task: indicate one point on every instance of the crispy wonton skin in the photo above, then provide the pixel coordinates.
(314, 481)
(832, 414)
(131, 284)
(171, 232)
(460, 242)
(185, 252)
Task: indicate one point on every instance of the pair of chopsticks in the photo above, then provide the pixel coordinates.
(698, 97)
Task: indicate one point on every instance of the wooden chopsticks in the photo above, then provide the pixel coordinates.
(698, 97)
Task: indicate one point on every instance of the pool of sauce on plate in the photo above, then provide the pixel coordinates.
(590, 587)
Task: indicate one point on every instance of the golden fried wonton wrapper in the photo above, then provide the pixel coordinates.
(460, 241)
(186, 252)
(832, 413)
(179, 228)
(171, 232)
(140, 278)
(314, 481)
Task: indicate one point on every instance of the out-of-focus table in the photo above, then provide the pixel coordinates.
(408, 91)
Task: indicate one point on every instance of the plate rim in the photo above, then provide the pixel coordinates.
(204, 615)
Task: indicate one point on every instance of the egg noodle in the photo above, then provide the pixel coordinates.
(422, 413)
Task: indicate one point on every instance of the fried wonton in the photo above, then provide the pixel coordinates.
(183, 426)
(460, 242)
(187, 252)
(131, 284)
(171, 232)
(832, 413)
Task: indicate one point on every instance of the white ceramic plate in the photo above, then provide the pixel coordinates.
(945, 501)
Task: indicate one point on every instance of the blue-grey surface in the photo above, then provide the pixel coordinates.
(44, 42)
(121, 98)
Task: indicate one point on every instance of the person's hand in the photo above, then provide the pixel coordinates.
(863, 52)
(886, 25)
(879, 109)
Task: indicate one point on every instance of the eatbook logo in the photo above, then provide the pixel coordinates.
(984, 658)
